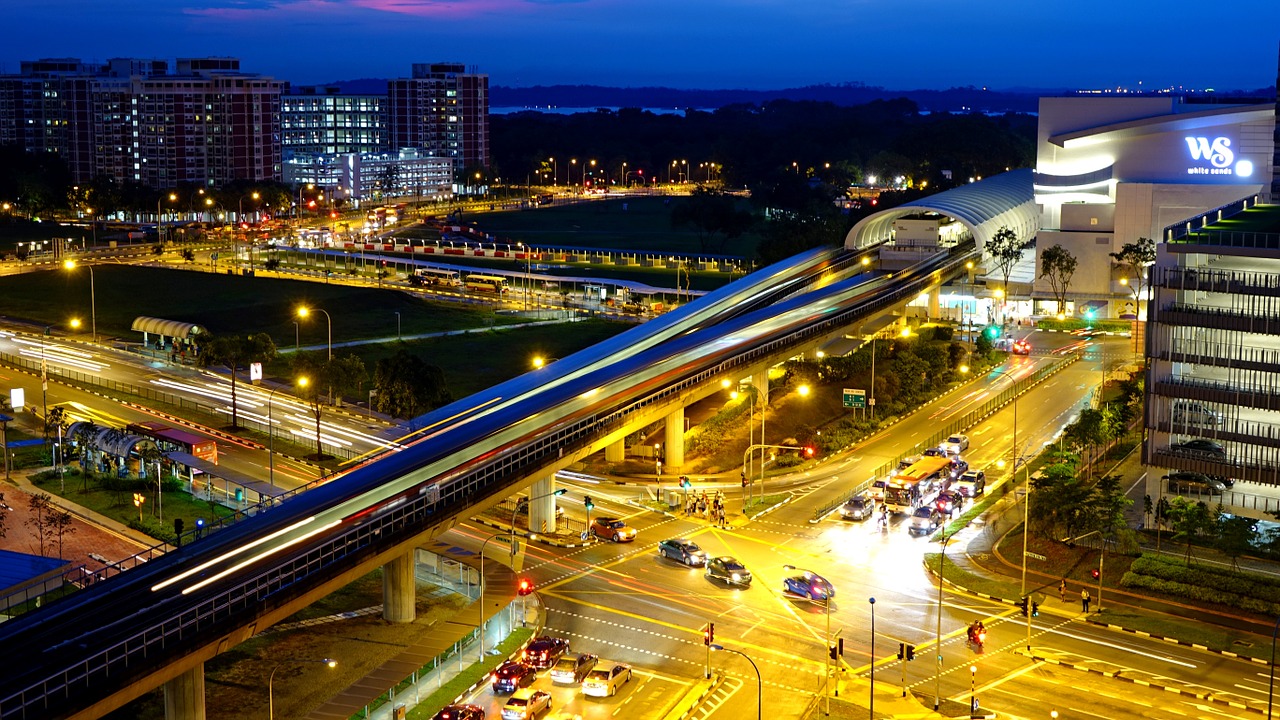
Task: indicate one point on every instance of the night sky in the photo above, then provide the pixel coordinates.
(762, 44)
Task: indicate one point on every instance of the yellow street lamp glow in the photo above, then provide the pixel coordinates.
(968, 265)
(538, 362)
(999, 293)
(906, 332)
(724, 383)
(69, 264)
(964, 369)
(173, 197)
(75, 323)
(1062, 316)
(304, 381)
(866, 261)
(1000, 464)
(821, 354)
(1124, 281)
(303, 311)
(733, 395)
(803, 390)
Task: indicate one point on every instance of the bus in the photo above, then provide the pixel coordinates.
(545, 199)
(171, 439)
(487, 283)
(917, 484)
(439, 276)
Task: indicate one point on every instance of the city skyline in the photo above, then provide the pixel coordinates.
(914, 44)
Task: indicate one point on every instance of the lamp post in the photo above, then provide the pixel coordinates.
(555, 172)
(973, 690)
(93, 302)
(1271, 682)
(304, 311)
(1026, 506)
(295, 336)
(271, 698)
(873, 657)
(271, 436)
(759, 681)
(160, 218)
(397, 325)
(483, 582)
(937, 679)
(240, 214)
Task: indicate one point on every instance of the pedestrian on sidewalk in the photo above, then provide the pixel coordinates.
(1062, 590)
(1084, 600)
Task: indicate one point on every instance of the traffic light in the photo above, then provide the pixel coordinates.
(178, 524)
(1035, 609)
(840, 647)
(831, 652)
(808, 451)
(525, 587)
(684, 482)
(992, 332)
(911, 652)
(586, 501)
(1022, 605)
(1090, 314)
(709, 634)
(1094, 573)
(902, 650)
(744, 478)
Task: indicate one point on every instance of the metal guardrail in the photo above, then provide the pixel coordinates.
(968, 420)
(155, 638)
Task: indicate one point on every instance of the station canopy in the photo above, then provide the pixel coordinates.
(166, 328)
(111, 441)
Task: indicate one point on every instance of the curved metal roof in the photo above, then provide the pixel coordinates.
(1007, 200)
(112, 441)
(168, 328)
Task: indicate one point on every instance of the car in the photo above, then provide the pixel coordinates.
(971, 484)
(512, 675)
(1201, 447)
(935, 452)
(460, 712)
(1021, 347)
(526, 704)
(682, 551)
(924, 520)
(543, 652)
(612, 528)
(956, 444)
(876, 493)
(604, 682)
(728, 570)
(1194, 483)
(1186, 412)
(858, 508)
(949, 502)
(807, 584)
(572, 670)
(958, 467)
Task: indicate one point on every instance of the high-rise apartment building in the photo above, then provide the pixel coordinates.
(442, 110)
(321, 120)
(207, 123)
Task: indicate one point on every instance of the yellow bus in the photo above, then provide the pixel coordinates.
(913, 486)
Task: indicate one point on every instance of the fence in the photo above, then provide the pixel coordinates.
(965, 422)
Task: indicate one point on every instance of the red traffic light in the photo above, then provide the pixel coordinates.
(525, 587)
(808, 451)
(709, 634)
(333, 214)
(1094, 573)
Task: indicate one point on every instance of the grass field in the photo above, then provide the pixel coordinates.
(227, 304)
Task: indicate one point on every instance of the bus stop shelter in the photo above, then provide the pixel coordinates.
(235, 490)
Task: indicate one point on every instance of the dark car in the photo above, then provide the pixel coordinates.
(971, 484)
(958, 467)
(935, 452)
(924, 520)
(807, 584)
(1201, 447)
(572, 670)
(859, 508)
(949, 502)
(682, 551)
(460, 712)
(728, 570)
(1194, 483)
(543, 652)
(511, 676)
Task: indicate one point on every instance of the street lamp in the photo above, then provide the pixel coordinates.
(555, 172)
(160, 218)
(484, 583)
(271, 435)
(93, 302)
(271, 699)
(240, 214)
(759, 681)
(1026, 528)
(397, 312)
(304, 311)
(873, 656)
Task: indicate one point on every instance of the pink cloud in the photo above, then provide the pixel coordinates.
(243, 10)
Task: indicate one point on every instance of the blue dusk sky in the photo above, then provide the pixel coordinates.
(714, 44)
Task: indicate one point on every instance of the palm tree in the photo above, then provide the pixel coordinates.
(234, 351)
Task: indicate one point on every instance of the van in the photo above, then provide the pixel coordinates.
(1187, 412)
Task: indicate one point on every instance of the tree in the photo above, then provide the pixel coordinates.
(86, 434)
(407, 386)
(344, 375)
(41, 517)
(188, 255)
(711, 213)
(1133, 259)
(61, 524)
(1236, 535)
(1058, 265)
(1189, 519)
(1006, 250)
(234, 351)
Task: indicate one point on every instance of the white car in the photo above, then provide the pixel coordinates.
(604, 682)
(956, 444)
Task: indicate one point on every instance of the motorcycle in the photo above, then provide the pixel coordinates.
(977, 636)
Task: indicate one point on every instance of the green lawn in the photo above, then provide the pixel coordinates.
(228, 304)
(1261, 219)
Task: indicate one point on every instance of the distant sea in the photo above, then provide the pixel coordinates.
(558, 110)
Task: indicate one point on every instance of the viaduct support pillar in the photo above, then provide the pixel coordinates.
(184, 695)
(761, 383)
(675, 440)
(935, 305)
(399, 589)
(542, 512)
(616, 452)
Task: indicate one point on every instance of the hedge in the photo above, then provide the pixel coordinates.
(1253, 585)
(1198, 593)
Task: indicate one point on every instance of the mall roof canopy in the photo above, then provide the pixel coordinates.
(167, 328)
(1005, 200)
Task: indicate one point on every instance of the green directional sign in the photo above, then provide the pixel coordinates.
(855, 398)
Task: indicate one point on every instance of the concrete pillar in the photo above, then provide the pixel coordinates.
(761, 382)
(399, 589)
(616, 452)
(542, 512)
(935, 307)
(674, 447)
(184, 695)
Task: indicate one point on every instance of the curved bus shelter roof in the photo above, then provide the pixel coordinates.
(1005, 200)
(168, 328)
(111, 441)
